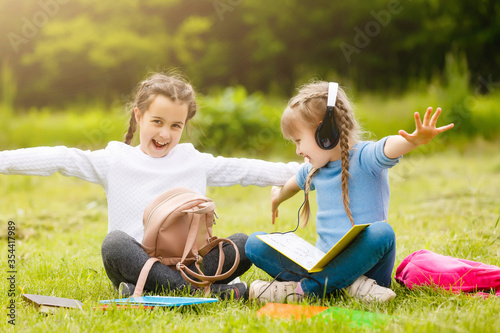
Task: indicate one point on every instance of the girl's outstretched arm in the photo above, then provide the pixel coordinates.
(91, 166)
(401, 144)
(280, 194)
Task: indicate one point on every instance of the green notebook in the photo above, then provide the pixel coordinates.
(306, 255)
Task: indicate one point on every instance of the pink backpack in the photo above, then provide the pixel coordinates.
(428, 268)
(178, 232)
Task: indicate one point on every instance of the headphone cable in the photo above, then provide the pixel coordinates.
(285, 270)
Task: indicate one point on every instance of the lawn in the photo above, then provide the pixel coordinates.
(446, 202)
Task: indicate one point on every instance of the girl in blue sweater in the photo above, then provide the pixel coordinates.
(351, 181)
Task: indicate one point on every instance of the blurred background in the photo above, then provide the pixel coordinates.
(68, 67)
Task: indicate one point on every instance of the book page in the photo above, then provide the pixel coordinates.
(295, 248)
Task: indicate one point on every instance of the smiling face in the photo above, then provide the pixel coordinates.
(306, 146)
(161, 126)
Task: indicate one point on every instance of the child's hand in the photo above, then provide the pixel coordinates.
(425, 132)
(280, 194)
(275, 192)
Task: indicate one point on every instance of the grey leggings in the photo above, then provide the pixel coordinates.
(123, 258)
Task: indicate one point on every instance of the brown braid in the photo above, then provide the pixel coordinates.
(131, 129)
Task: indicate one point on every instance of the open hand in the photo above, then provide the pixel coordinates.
(427, 130)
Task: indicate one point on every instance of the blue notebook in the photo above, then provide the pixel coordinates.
(159, 301)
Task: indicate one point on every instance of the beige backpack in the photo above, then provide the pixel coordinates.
(178, 232)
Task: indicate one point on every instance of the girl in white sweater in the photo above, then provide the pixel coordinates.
(133, 176)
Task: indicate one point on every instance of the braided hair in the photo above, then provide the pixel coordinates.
(172, 86)
(308, 107)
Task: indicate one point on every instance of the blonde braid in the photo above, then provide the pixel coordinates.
(314, 95)
(306, 210)
(345, 125)
(307, 97)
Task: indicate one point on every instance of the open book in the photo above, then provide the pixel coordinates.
(306, 255)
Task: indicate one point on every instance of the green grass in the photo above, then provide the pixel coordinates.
(444, 202)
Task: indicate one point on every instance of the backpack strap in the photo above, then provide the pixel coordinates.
(207, 280)
(191, 237)
(139, 287)
(201, 209)
(222, 258)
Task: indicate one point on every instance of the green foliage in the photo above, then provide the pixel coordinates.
(8, 95)
(60, 51)
(9, 91)
(485, 116)
(89, 127)
(456, 94)
(232, 122)
(475, 116)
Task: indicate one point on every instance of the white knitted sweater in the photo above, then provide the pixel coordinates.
(132, 179)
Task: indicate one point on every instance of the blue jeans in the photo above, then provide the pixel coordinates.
(371, 254)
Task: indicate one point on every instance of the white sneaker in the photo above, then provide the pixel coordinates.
(265, 291)
(125, 290)
(367, 289)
